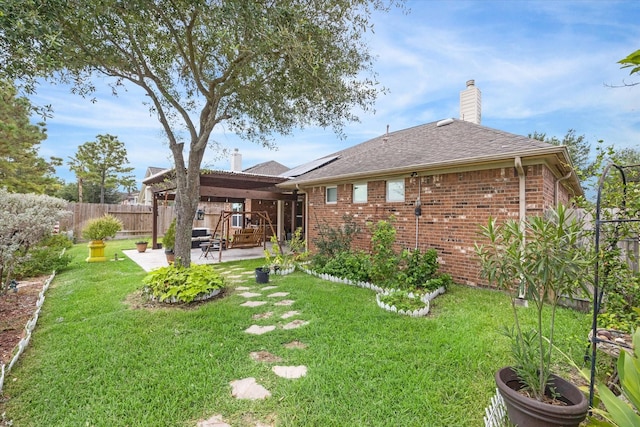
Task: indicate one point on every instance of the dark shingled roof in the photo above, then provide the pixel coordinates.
(428, 146)
(267, 168)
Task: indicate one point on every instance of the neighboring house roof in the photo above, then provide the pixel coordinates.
(433, 146)
(267, 168)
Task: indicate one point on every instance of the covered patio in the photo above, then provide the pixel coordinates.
(227, 187)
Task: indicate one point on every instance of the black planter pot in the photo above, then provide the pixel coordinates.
(527, 412)
(262, 276)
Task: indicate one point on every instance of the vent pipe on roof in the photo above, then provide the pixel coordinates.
(236, 161)
(470, 103)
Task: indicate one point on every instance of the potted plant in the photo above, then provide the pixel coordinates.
(542, 259)
(96, 231)
(141, 245)
(262, 274)
(169, 241)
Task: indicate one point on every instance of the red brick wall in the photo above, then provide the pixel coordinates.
(454, 206)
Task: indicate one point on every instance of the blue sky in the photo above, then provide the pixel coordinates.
(541, 66)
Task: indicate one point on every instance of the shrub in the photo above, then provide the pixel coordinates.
(418, 268)
(183, 283)
(384, 261)
(354, 266)
(169, 238)
(44, 258)
(443, 281)
(101, 228)
(332, 241)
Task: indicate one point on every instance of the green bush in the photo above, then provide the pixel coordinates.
(101, 228)
(169, 238)
(622, 293)
(354, 266)
(334, 240)
(417, 268)
(442, 281)
(45, 257)
(185, 284)
(384, 261)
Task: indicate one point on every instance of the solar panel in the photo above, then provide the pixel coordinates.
(308, 167)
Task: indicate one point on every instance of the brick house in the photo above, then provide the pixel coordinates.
(440, 181)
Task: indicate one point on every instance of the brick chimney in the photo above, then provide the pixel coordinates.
(236, 161)
(470, 103)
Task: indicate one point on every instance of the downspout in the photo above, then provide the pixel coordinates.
(557, 189)
(522, 198)
(522, 206)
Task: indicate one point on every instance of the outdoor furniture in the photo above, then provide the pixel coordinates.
(212, 245)
(198, 236)
(247, 237)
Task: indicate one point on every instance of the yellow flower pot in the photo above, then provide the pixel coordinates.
(96, 251)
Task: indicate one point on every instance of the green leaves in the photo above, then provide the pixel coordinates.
(182, 283)
(631, 61)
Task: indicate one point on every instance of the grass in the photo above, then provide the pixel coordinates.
(95, 361)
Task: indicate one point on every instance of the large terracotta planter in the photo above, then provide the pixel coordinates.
(527, 412)
(96, 251)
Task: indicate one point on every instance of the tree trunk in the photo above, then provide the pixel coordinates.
(79, 190)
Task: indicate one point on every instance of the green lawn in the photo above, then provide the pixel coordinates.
(95, 361)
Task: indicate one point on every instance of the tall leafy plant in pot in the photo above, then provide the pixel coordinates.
(169, 241)
(543, 257)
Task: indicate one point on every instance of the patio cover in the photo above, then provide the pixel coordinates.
(219, 186)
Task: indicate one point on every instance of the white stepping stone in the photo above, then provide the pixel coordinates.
(278, 294)
(290, 372)
(250, 294)
(214, 421)
(253, 303)
(259, 330)
(264, 356)
(267, 288)
(234, 276)
(248, 388)
(295, 324)
(259, 316)
(289, 314)
(285, 302)
(243, 288)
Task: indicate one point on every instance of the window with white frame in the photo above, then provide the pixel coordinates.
(360, 192)
(331, 194)
(395, 190)
(236, 218)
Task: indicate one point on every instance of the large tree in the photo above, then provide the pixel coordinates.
(260, 67)
(102, 163)
(22, 169)
(579, 149)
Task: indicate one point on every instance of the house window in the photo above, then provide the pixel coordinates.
(360, 193)
(395, 190)
(236, 218)
(332, 194)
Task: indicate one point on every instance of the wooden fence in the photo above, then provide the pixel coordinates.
(137, 220)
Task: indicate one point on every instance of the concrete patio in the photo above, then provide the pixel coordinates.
(155, 258)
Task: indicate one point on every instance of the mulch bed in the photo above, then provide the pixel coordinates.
(16, 309)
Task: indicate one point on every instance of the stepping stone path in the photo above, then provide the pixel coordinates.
(248, 388)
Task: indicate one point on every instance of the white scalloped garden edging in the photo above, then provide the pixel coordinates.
(335, 279)
(426, 299)
(283, 271)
